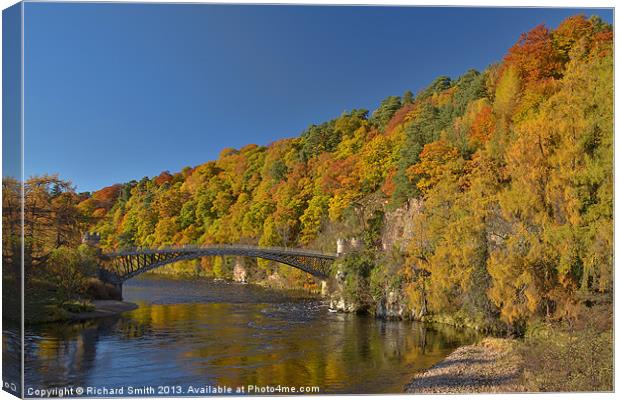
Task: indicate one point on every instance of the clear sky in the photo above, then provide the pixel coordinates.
(115, 92)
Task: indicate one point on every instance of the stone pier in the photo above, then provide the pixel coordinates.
(240, 274)
(324, 289)
(119, 289)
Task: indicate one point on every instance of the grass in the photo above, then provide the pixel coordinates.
(576, 357)
(573, 355)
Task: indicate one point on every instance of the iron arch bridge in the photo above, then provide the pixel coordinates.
(120, 266)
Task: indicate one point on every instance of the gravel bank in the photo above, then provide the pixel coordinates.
(491, 366)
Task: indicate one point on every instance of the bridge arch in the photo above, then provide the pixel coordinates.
(117, 267)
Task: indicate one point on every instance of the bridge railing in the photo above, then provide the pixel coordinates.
(190, 247)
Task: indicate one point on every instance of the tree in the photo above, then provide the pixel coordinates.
(386, 110)
(408, 97)
(534, 56)
(509, 171)
(68, 269)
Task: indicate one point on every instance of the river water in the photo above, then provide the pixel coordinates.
(189, 337)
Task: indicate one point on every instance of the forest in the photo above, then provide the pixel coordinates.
(508, 171)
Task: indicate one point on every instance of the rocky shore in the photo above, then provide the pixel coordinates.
(490, 366)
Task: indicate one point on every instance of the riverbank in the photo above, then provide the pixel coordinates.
(102, 309)
(45, 313)
(490, 366)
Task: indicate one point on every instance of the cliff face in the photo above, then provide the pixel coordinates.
(398, 230)
(398, 225)
(393, 305)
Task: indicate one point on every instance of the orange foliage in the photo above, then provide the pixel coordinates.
(434, 163)
(339, 174)
(399, 117)
(108, 194)
(164, 177)
(603, 43)
(534, 56)
(101, 201)
(389, 186)
(483, 126)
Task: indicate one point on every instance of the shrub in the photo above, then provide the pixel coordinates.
(575, 357)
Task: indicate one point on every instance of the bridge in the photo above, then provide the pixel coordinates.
(117, 267)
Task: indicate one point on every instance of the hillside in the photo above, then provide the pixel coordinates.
(512, 165)
(484, 200)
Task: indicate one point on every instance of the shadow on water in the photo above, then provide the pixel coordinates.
(212, 333)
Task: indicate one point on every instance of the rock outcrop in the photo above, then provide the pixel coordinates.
(392, 306)
(398, 225)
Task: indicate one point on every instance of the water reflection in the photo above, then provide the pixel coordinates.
(11, 356)
(208, 333)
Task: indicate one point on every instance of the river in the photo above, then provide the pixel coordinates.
(205, 334)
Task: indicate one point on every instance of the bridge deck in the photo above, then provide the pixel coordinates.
(193, 248)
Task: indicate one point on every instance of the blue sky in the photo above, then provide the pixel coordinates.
(115, 92)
